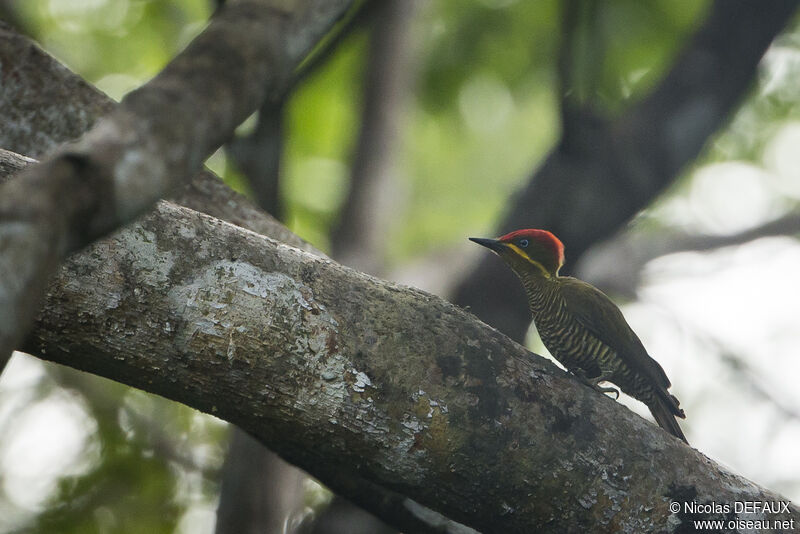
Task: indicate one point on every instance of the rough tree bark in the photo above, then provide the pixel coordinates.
(360, 236)
(120, 168)
(49, 105)
(259, 490)
(393, 418)
(347, 376)
(605, 170)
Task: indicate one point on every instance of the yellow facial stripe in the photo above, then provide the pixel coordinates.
(522, 254)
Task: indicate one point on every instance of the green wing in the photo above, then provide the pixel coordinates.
(598, 314)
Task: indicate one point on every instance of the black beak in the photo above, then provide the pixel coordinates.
(492, 244)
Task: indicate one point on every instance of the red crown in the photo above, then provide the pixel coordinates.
(543, 237)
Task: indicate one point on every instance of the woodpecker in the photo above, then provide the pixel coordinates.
(582, 328)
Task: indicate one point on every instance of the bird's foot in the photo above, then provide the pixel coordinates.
(594, 383)
(607, 389)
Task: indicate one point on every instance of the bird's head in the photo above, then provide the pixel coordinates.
(524, 250)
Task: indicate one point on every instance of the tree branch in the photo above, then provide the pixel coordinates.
(363, 220)
(49, 105)
(600, 265)
(402, 512)
(260, 493)
(597, 178)
(358, 239)
(120, 168)
(257, 154)
(306, 355)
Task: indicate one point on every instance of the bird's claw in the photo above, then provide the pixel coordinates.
(608, 389)
(594, 383)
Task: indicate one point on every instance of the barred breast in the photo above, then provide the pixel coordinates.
(575, 347)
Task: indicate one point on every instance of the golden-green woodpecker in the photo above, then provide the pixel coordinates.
(582, 328)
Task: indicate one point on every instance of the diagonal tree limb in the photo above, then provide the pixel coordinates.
(600, 265)
(352, 378)
(49, 105)
(399, 510)
(120, 168)
(603, 172)
(369, 385)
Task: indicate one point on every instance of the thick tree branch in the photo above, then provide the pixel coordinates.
(49, 105)
(600, 265)
(350, 377)
(597, 178)
(121, 167)
(399, 510)
(357, 241)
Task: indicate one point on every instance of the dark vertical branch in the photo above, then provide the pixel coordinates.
(9, 13)
(579, 64)
(365, 216)
(260, 493)
(258, 156)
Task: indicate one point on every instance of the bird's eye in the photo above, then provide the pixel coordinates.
(523, 243)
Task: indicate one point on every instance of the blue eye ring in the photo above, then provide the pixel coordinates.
(523, 243)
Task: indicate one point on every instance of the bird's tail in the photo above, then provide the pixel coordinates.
(664, 409)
